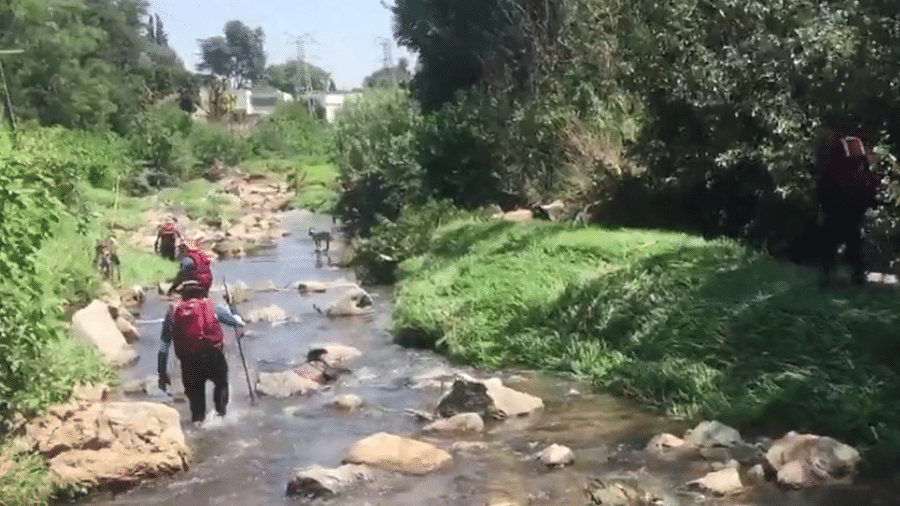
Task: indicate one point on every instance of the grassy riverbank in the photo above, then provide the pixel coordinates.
(697, 328)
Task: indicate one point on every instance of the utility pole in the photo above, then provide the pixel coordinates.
(388, 61)
(300, 43)
(9, 107)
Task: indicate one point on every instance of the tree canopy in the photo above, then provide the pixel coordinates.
(288, 77)
(238, 56)
(86, 63)
(386, 77)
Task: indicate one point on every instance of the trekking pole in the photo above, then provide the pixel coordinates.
(233, 309)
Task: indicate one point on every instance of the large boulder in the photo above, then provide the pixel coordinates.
(317, 481)
(807, 460)
(95, 325)
(556, 456)
(128, 330)
(271, 313)
(395, 453)
(111, 445)
(353, 302)
(284, 384)
(713, 434)
(336, 355)
(488, 398)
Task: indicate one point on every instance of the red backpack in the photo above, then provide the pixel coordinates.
(201, 261)
(167, 230)
(851, 177)
(195, 328)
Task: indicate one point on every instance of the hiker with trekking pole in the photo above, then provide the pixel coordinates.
(193, 326)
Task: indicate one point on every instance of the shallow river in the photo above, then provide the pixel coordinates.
(246, 458)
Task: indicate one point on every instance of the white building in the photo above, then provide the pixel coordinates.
(331, 102)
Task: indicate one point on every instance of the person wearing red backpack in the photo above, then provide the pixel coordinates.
(193, 326)
(167, 236)
(846, 188)
(194, 265)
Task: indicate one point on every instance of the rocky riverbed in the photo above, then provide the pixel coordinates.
(401, 426)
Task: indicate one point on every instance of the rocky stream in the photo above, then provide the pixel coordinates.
(403, 427)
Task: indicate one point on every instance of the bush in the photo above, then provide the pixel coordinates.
(212, 143)
(289, 132)
(392, 242)
(377, 160)
(160, 141)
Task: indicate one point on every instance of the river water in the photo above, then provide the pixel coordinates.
(247, 457)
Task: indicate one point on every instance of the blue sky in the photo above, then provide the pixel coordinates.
(345, 32)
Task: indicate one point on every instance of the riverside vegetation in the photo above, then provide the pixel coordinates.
(689, 117)
(694, 123)
(62, 191)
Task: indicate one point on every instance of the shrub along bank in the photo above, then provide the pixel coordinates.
(698, 328)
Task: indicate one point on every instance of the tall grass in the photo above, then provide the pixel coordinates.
(697, 328)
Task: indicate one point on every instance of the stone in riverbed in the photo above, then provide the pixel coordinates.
(462, 422)
(318, 481)
(108, 445)
(395, 453)
(556, 456)
(488, 398)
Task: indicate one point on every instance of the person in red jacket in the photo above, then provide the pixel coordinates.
(167, 236)
(194, 265)
(193, 326)
(846, 188)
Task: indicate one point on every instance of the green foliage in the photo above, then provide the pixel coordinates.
(24, 478)
(289, 78)
(393, 241)
(212, 143)
(377, 159)
(699, 328)
(389, 77)
(238, 56)
(42, 268)
(289, 132)
(86, 63)
(159, 141)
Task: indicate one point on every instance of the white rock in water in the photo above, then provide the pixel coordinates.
(556, 456)
(462, 422)
(348, 402)
(710, 434)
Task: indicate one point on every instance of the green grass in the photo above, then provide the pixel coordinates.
(26, 481)
(311, 177)
(697, 328)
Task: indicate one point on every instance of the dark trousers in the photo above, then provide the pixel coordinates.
(843, 228)
(195, 371)
(167, 248)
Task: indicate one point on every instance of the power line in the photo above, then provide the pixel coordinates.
(388, 61)
(9, 106)
(300, 43)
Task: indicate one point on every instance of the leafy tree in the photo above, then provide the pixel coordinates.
(389, 76)
(86, 64)
(239, 56)
(155, 31)
(288, 77)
